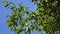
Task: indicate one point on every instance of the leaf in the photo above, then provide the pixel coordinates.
(5, 2)
(44, 21)
(41, 9)
(11, 3)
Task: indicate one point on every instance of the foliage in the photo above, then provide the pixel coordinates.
(45, 18)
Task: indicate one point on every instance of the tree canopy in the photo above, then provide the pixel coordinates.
(45, 18)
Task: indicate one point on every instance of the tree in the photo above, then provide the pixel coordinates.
(46, 17)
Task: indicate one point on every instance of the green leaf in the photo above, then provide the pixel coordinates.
(5, 2)
(41, 9)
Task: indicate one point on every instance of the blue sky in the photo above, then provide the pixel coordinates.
(5, 11)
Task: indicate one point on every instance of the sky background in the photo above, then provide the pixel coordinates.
(5, 11)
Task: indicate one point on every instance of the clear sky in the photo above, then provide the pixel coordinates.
(5, 11)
